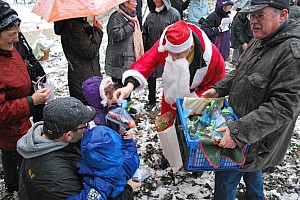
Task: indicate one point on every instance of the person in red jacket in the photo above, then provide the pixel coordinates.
(16, 106)
(192, 64)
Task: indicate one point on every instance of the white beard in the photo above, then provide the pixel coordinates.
(176, 79)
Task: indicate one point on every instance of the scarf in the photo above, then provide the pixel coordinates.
(137, 36)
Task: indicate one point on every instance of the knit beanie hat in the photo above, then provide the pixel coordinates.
(176, 38)
(65, 114)
(8, 16)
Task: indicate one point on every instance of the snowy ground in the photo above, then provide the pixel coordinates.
(281, 184)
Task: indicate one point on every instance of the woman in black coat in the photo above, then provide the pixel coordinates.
(81, 43)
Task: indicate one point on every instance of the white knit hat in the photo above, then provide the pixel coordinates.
(105, 83)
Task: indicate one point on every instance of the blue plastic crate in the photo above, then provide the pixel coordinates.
(191, 153)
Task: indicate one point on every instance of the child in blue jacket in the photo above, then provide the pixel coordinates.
(109, 160)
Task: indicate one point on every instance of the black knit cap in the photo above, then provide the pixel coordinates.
(8, 16)
(256, 5)
(65, 114)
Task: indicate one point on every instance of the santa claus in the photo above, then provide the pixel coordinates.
(192, 64)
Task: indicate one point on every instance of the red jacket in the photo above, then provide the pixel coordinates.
(15, 86)
(202, 77)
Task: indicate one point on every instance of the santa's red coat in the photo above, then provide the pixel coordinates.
(202, 78)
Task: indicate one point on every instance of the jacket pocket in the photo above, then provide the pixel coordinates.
(258, 80)
(256, 90)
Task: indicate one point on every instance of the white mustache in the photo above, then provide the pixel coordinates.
(255, 26)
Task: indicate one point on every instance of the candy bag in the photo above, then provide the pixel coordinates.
(121, 116)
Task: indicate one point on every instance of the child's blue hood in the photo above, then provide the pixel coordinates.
(101, 149)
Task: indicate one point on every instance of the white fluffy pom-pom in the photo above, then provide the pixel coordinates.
(161, 48)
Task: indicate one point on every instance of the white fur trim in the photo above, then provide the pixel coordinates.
(199, 76)
(161, 47)
(138, 76)
(181, 47)
(104, 83)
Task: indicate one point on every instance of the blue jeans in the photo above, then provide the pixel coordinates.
(226, 183)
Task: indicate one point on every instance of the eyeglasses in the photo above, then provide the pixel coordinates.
(83, 127)
(259, 17)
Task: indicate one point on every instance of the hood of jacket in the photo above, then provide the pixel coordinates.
(152, 6)
(101, 145)
(221, 3)
(288, 32)
(33, 144)
(90, 90)
(199, 3)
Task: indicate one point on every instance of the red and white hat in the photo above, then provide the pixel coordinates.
(104, 85)
(176, 38)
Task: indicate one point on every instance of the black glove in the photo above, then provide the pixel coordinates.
(201, 20)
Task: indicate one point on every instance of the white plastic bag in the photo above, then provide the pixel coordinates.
(169, 143)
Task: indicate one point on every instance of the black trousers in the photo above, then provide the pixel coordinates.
(11, 162)
(152, 89)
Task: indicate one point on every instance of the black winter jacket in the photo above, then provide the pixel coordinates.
(240, 31)
(81, 43)
(42, 182)
(264, 92)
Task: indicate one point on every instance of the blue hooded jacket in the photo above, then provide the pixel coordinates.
(198, 9)
(108, 162)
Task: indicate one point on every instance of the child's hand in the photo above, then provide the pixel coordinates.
(128, 135)
(134, 185)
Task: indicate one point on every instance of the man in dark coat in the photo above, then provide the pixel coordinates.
(241, 34)
(180, 6)
(264, 92)
(81, 43)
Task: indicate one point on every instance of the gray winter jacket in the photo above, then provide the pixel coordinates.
(120, 50)
(264, 92)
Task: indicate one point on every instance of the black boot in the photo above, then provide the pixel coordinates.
(150, 105)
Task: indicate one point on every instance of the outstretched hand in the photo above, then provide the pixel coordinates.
(210, 93)
(123, 93)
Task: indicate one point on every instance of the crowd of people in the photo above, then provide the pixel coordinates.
(62, 156)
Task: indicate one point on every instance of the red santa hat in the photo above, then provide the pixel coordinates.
(176, 38)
